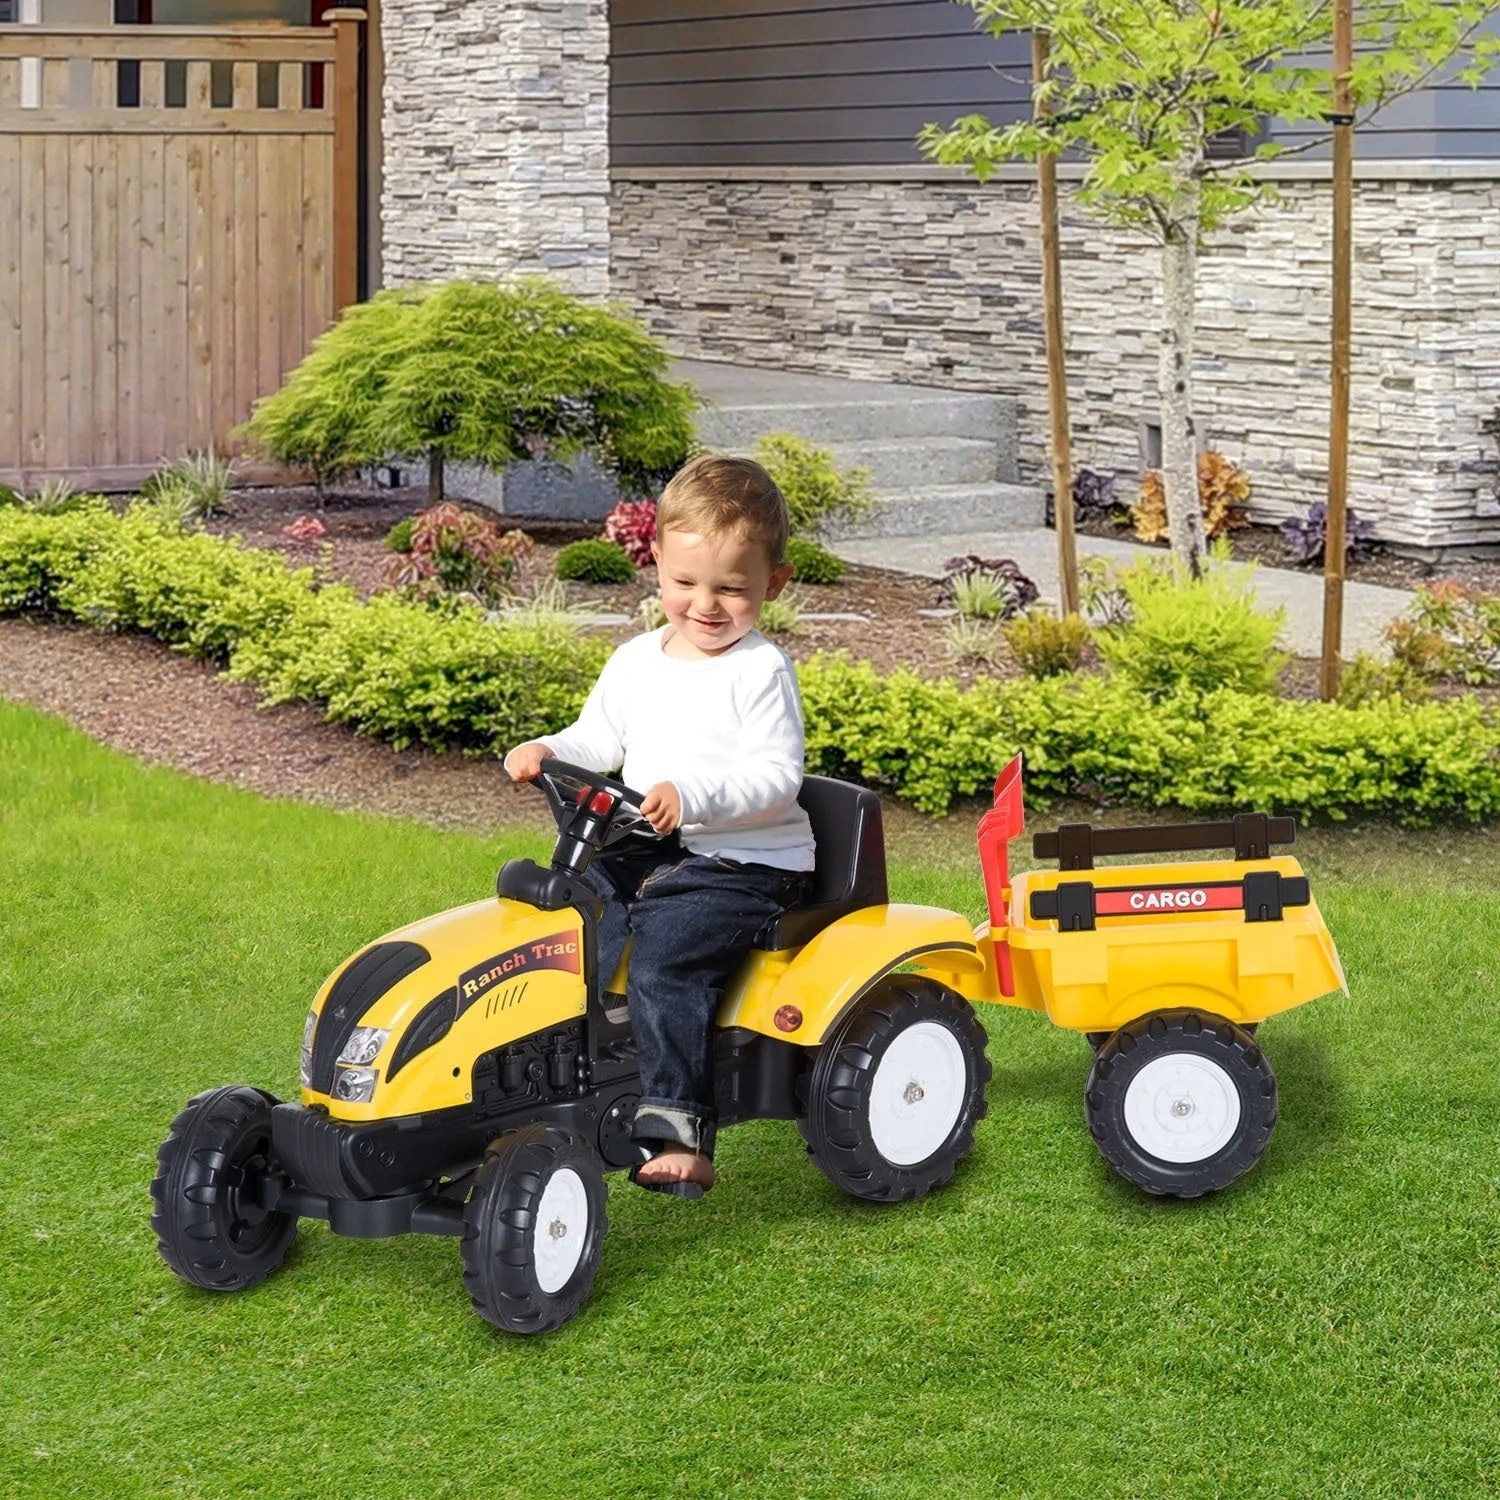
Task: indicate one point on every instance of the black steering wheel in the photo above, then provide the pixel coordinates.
(592, 811)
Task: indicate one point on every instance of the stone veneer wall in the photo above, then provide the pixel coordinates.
(496, 140)
(937, 282)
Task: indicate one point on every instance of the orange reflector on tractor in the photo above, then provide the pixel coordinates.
(788, 1018)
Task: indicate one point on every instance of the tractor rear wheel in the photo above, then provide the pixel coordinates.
(209, 1226)
(1181, 1102)
(534, 1228)
(896, 1090)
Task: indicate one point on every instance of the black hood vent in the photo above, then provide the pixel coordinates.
(363, 982)
(431, 1025)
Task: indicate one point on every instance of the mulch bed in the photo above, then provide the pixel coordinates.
(894, 635)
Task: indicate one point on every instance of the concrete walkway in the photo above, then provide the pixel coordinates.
(1368, 608)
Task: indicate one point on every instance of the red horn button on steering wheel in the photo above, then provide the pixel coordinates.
(601, 803)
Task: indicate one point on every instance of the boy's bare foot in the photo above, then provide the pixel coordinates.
(676, 1164)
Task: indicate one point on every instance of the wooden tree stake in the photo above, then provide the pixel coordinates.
(1057, 375)
(1338, 434)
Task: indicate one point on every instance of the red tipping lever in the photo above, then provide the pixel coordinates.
(996, 829)
(601, 803)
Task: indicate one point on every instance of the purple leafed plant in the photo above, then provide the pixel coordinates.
(1308, 535)
(1094, 497)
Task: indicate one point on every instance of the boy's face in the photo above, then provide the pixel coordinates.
(712, 587)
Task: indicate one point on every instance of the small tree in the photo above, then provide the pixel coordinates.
(483, 373)
(1138, 92)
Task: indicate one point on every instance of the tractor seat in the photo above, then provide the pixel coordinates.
(851, 861)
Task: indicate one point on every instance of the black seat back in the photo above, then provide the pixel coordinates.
(851, 861)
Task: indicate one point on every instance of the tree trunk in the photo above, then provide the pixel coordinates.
(1179, 433)
(434, 476)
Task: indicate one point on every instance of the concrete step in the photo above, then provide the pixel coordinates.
(957, 509)
(918, 463)
(917, 413)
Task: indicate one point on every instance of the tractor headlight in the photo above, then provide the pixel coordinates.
(364, 1045)
(307, 1044)
(354, 1085)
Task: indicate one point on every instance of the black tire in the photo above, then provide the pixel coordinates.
(845, 1123)
(503, 1221)
(207, 1224)
(1128, 1114)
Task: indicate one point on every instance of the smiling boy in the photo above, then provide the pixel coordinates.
(705, 713)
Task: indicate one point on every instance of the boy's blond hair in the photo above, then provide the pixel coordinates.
(714, 494)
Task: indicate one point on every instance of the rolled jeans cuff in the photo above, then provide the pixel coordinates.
(666, 1121)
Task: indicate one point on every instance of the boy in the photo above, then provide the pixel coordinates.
(705, 713)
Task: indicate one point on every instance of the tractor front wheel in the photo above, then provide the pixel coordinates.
(1181, 1102)
(896, 1091)
(534, 1229)
(209, 1226)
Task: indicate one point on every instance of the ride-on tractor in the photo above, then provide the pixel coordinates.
(473, 1074)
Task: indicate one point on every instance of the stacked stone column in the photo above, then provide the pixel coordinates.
(496, 122)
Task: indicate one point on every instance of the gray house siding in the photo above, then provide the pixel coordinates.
(812, 83)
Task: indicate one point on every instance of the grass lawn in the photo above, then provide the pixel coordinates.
(1038, 1328)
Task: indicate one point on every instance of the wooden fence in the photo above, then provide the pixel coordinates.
(178, 222)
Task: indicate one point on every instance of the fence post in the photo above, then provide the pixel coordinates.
(346, 21)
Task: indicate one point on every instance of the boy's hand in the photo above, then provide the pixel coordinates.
(662, 807)
(524, 763)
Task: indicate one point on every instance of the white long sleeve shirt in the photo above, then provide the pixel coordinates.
(726, 731)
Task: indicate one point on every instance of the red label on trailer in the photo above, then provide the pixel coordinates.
(1130, 901)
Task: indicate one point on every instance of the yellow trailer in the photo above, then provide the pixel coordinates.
(1168, 968)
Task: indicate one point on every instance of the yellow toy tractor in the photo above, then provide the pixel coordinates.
(472, 1074)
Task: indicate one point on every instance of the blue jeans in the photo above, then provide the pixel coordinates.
(693, 918)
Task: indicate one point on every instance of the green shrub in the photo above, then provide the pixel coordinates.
(1365, 679)
(8, 496)
(813, 563)
(398, 538)
(1200, 634)
(1100, 738)
(816, 490)
(484, 373)
(1044, 645)
(595, 561)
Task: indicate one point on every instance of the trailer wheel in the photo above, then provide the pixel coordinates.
(1181, 1102)
(209, 1226)
(534, 1229)
(896, 1090)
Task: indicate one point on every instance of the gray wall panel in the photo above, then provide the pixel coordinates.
(850, 82)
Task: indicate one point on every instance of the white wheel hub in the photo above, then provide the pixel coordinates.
(562, 1229)
(917, 1093)
(1182, 1107)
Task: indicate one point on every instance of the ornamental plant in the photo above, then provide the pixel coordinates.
(1308, 535)
(1222, 490)
(1005, 585)
(1044, 645)
(632, 525)
(1449, 631)
(482, 373)
(455, 551)
(1144, 96)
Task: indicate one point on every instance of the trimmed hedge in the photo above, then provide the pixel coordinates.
(447, 679)
(1098, 737)
(451, 680)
